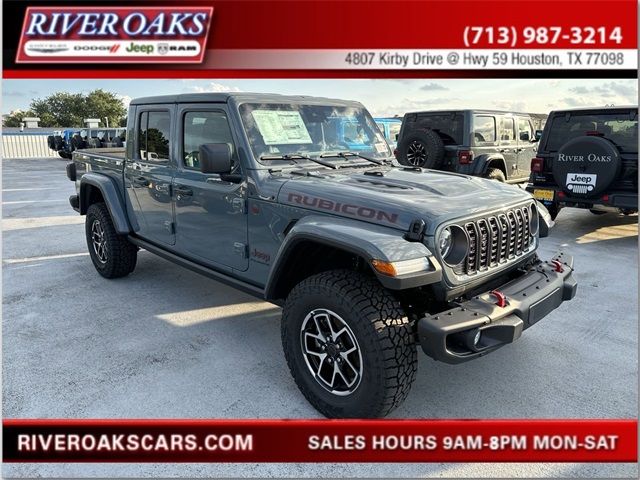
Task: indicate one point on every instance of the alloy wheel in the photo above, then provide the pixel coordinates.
(331, 352)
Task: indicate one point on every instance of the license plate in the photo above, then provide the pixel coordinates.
(545, 195)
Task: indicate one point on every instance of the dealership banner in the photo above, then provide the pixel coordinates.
(346, 38)
(320, 441)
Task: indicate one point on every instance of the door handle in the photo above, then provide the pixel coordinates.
(518, 150)
(183, 191)
(140, 181)
(505, 150)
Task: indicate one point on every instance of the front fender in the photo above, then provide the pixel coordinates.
(362, 239)
(112, 198)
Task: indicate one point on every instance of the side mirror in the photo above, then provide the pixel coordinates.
(397, 136)
(524, 136)
(215, 158)
(538, 135)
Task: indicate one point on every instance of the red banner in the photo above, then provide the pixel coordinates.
(320, 441)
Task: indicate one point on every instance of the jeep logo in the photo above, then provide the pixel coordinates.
(581, 182)
(148, 49)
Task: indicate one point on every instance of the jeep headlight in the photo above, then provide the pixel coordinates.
(445, 242)
(453, 244)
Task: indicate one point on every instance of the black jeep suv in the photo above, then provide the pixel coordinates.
(588, 158)
(486, 143)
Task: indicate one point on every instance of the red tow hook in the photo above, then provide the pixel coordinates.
(557, 266)
(500, 297)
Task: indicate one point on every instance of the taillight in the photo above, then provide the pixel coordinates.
(537, 165)
(465, 157)
(594, 133)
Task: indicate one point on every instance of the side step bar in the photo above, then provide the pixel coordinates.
(198, 268)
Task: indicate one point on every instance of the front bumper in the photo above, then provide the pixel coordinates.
(449, 336)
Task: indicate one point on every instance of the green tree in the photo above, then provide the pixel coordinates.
(15, 118)
(64, 109)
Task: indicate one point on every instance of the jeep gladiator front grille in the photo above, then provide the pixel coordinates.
(495, 240)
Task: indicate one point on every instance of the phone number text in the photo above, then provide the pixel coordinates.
(511, 36)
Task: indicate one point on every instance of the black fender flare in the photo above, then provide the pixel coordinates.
(112, 199)
(365, 240)
(483, 162)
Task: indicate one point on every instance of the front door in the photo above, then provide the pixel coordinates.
(149, 172)
(211, 216)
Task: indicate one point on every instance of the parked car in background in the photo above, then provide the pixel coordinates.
(65, 142)
(390, 128)
(485, 143)
(588, 158)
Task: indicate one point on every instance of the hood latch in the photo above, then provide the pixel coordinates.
(416, 231)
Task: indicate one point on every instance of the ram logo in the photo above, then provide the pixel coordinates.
(163, 48)
(581, 183)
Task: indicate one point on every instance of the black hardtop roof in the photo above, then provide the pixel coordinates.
(604, 109)
(240, 97)
(473, 110)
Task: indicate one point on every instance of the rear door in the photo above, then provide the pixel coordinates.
(149, 173)
(508, 145)
(526, 148)
(211, 216)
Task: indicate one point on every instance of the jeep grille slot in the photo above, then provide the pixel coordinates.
(471, 255)
(495, 240)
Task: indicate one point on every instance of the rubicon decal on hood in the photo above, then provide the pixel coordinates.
(346, 208)
(114, 34)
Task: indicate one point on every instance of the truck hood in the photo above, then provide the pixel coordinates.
(395, 197)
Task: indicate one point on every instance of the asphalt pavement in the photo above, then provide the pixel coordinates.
(167, 343)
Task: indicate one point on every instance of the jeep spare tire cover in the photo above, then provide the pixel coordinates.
(586, 166)
(421, 148)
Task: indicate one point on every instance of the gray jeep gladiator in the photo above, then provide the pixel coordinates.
(367, 260)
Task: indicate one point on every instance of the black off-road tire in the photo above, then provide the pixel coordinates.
(496, 174)
(120, 255)
(383, 332)
(421, 148)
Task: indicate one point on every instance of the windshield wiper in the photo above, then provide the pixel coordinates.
(352, 154)
(292, 157)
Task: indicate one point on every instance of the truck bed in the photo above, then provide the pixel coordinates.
(105, 153)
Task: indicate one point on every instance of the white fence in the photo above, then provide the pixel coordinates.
(26, 145)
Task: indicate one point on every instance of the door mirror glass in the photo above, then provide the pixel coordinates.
(215, 158)
(538, 135)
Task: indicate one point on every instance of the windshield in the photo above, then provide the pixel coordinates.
(619, 128)
(312, 130)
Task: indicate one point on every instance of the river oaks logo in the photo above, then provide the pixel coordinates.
(114, 34)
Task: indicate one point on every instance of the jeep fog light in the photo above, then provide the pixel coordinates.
(402, 267)
(445, 242)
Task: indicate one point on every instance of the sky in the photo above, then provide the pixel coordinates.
(383, 97)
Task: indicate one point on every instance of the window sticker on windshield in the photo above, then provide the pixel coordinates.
(381, 148)
(281, 127)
